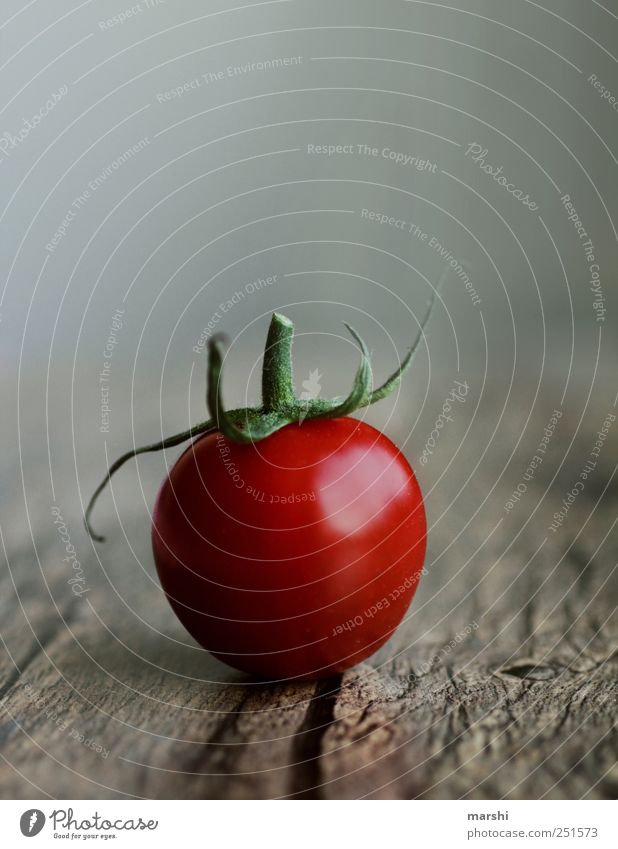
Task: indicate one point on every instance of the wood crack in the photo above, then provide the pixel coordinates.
(307, 749)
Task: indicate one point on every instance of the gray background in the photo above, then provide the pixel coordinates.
(225, 192)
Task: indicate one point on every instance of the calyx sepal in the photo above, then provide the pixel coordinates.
(280, 406)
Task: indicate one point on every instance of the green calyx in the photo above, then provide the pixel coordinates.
(280, 406)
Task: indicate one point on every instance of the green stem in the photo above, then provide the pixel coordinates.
(277, 383)
(168, 442)
(395, 379)
(279, 406)
(222, 420)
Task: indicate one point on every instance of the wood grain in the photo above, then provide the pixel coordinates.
(502, 682)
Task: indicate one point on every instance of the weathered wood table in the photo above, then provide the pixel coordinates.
(501, 682)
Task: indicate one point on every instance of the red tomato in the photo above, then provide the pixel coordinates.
(296, 556)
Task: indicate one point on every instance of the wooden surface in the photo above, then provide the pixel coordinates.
(501, 682)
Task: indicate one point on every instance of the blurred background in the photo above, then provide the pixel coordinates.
(159, 160)
(174, 169)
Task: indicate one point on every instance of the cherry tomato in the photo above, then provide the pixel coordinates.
(296, 556)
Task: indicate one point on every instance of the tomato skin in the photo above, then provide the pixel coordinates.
(296, 556)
